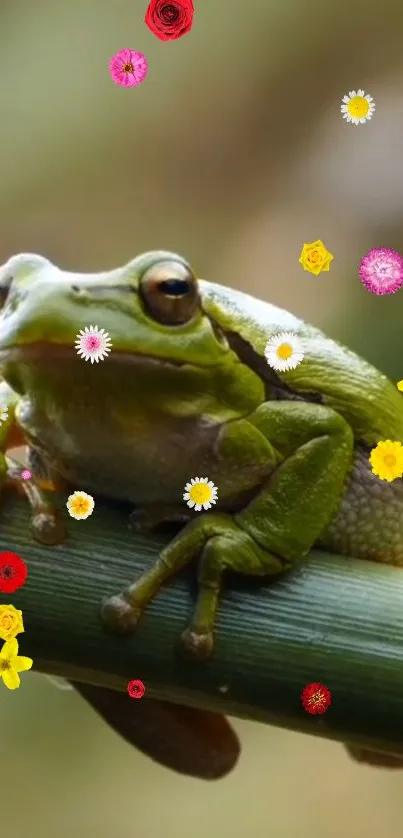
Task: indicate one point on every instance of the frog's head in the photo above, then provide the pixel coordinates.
(152, 307)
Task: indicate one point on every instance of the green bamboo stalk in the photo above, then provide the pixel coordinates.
(333, 619)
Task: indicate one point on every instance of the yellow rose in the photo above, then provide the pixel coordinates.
(315, 258)
(10, 622)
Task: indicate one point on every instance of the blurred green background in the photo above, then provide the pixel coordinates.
(233, 152)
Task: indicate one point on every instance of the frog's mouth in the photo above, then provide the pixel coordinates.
(49, 352)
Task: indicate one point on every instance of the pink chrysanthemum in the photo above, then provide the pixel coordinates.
(93, 344)
(128, 67)
(381, 271)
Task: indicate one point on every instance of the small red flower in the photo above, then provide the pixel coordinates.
(136, 689)
(169, 19)
(13, 572)
(315, 698)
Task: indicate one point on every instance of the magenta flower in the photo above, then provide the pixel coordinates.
(381, 271)
(26, 474)
(128, 67)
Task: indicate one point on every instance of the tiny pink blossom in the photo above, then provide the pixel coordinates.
(26, 474)
(381, 270)
(128, 67)
(91, 343)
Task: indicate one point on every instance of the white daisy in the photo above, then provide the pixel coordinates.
(3, 413)
(357, 107)
(93, 344)
(284, 351)
(200, 493)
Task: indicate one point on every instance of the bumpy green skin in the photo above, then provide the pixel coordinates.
(288, 453)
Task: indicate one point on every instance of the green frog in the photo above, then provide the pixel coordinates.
(185, 391)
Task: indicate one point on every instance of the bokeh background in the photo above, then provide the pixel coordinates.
(233, 152)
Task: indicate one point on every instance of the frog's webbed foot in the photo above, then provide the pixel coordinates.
(119, 614)
(196, 643)
(144, 519)
(221, 545)
(47, 526)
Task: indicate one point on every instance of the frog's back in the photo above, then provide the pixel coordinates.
(358, 391)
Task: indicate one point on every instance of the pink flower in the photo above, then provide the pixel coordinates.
(128, 67)
(93, 344)
(26, 474)
(381, 271)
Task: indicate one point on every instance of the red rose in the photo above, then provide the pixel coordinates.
(169, 19)
(136, 689)
(13, 572)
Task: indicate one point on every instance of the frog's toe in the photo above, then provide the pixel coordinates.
(119, 615)
(197, 644)
(48, 529)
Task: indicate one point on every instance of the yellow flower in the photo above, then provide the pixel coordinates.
(80, 505)
(387, 460)
(399, 385)
(315, 258)
(200, 493)
(10, 622)
(357, 107)
(11, 663)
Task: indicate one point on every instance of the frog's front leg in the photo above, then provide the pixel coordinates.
(46, 525)
(313, 448)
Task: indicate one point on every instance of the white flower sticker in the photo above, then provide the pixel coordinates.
(284, 351)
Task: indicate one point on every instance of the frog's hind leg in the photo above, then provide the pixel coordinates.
(222, 546)
(47, 526)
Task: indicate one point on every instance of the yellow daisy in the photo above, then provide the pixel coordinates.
(11, 663)
(387, 460)
(200, 493)
(80, 505)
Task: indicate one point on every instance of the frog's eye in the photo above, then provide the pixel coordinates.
(17, 267)
(170, 293)
(6, 278)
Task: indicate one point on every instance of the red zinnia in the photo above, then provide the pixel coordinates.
(315, 698)
(13, 572)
